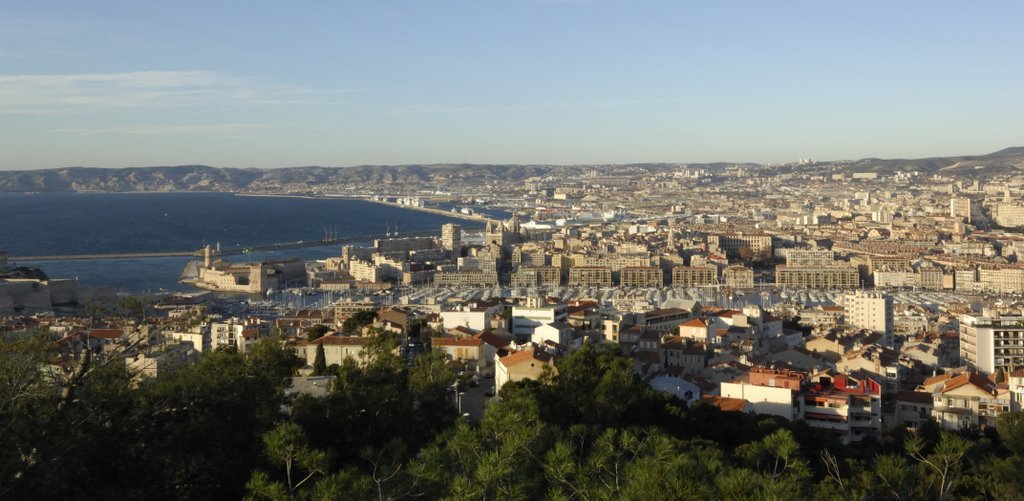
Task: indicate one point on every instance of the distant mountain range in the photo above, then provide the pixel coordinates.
(205, 178)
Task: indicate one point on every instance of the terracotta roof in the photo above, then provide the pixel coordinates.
(936, 379)
(694, 323)
(673, 342)
(525, 356)
(465, 330)
(919, 397)
(493, 339)
(973, 378)
(335, 340)
(664, 311)
(106, 333)
(725, 403)
(451, 341)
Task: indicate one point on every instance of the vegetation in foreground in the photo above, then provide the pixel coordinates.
(224, 429)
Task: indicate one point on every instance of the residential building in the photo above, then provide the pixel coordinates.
(872, 311)
(832, 277)
(590, 276)
(694, 276)
(760, 245)
(336, 349)
(807, 257)
(966, 401)
(645, 276)
(526, 364)
(465, 278)
(738, 277)
(525, 318)
(990, 343)
(451, 238)
(466, 350)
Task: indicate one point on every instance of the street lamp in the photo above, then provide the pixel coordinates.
(459, 400)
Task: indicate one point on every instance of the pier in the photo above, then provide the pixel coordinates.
(230, 251)
(440, 212)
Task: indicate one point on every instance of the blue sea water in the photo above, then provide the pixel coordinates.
(93, 223)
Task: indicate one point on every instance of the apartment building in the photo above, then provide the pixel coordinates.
(807, 257)
(590, 276)
(466, 278)
(848, 407)
(537, 276)
(872, 311)
(966, 401)
(834, 277)
(738, 277)
(731, 243)
(646, 276)
(990, 343)
(694, 276)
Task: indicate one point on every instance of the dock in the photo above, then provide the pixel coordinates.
(440, 212)
(230, 251)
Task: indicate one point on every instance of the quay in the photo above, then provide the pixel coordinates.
(440, 212)
(229, 251)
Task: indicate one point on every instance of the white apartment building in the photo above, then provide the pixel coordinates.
(990, 343)
(526, 318)
(872, 311)
(806, 257)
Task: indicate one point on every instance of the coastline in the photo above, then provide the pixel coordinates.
(428, 210)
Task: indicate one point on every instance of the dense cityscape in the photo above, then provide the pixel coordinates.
(567, 250)
(873, 315)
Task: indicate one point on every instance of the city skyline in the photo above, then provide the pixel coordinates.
(524, 82)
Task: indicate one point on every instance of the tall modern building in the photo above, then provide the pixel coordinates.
(961, 208)
(991, 343)
(872, 311)
(451, 238)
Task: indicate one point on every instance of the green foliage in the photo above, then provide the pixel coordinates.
(194, 432)
(1011, 431)
(317, 331)
(287, 446)
(320, 362)
(358, 320)
(941, 466)
(223, 429)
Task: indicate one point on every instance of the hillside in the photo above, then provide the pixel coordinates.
(206, 178)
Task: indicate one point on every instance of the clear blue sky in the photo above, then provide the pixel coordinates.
(275, 84)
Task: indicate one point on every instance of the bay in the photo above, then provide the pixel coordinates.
(101, 223)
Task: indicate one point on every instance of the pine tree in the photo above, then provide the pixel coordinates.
(320, 362)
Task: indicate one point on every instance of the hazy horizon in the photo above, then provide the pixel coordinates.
(429, 164)
(558, 82)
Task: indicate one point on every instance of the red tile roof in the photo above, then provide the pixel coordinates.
(106, 333)
(694, 323)
(451, 341)
(725, 403)
(525, 356)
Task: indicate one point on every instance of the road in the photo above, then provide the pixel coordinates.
(474, 401)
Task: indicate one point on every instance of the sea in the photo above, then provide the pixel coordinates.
(51, 224)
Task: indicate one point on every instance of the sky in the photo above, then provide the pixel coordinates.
(266, 84)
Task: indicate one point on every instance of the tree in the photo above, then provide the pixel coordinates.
(358, 320)
(316, 332)
(943, 463)
(287, 446)
(746, 254)
(320, 362)
(1010, 426)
